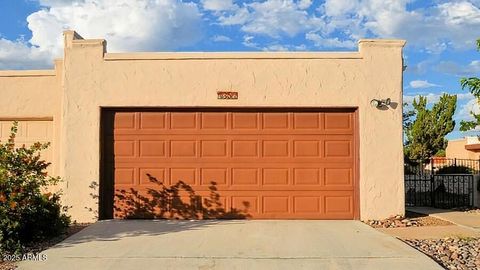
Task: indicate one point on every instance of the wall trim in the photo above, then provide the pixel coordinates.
(27, 73)
(233, 55)
(47, 118)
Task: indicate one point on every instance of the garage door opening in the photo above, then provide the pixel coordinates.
(229, 163)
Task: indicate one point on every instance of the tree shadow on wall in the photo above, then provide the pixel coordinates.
(178, 201)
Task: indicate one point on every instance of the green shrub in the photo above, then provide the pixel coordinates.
(454, 169)
(28, 213)
(441, 153)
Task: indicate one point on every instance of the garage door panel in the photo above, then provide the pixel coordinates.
(182, 120)
(214, 148)
(307, 204)
(307, 176)
(214, 120)
(271, 164)
(218, 175)
(152, 120)
(276, 149)
(245, 121)
(245, 177)
(148, 176)
(125, 121)
(276, 177)
(306, 148)
(186, 175)
(183, 148)
(245, 148)
(338, 204)
(125, 176)
(246, 204)
(307, 121)
(271, 177)
(338, 122)
(277, 121)
(338, 177)
(152, 148)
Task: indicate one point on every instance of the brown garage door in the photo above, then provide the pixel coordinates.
(274, 165)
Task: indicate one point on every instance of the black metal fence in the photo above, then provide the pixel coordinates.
(441, 165)
(440, 190)
(440, 182)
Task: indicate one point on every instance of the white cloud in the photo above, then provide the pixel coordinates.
(420, 68)
(422, 84)
(273, 18)
(322, 42)
(340, 7)
(248, 41)
(276, 47)
(219, 5)
(19, 55)
(340, 23)
(304, 4)
(128, 25)
(459, 13)
(220, 38)
(453, 68)
(435, 97)
(49, 3)
(434, 28)
(464, 112)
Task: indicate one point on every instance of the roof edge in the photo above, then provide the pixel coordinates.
(27, 73)
(229, 55)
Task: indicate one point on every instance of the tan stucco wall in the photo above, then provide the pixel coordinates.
(33, 97)
(456, 149)
(92, 79)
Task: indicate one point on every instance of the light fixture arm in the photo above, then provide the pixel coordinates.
(379, 103)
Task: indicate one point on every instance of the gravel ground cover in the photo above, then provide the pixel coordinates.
(73, 229)
(451, 253)
(411, 219)
(474, 210)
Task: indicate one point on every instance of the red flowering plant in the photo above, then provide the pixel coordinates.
(27, 213)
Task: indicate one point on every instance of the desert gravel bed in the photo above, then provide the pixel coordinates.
(411, 219)
(451, 253)
(472, 210)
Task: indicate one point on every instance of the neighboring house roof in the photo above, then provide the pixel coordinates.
(472, 144)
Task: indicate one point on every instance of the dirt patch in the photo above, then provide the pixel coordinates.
(411, 219)
(451, 253)
(39, 247)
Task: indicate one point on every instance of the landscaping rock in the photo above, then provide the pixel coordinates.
(451, 253)
(473, 210)
(410, 220)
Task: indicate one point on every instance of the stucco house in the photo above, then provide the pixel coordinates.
(285, 135)
(464, 148)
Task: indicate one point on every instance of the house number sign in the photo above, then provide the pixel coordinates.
(227, 95)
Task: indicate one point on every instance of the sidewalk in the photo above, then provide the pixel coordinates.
(469, 220)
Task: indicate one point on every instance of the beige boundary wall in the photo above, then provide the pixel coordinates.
(88, 79)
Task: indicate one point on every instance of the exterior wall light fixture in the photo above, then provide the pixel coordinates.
(380, 103)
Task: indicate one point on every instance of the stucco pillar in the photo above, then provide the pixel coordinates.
(381, 157)
(79, 165)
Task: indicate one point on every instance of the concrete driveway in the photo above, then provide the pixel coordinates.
(253, 244)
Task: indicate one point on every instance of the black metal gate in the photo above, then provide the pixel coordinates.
(440, 191)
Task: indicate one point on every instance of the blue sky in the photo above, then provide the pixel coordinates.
(440, 34)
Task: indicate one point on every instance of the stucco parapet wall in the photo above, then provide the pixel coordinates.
(260, 55)
(383, 42)
(27, 73)
(232, 55)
